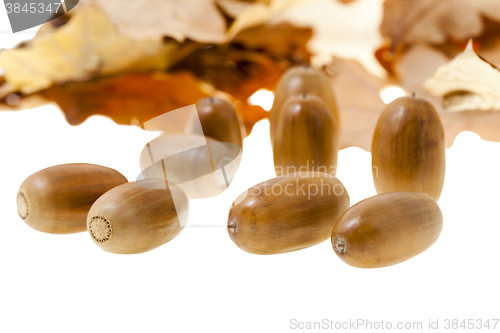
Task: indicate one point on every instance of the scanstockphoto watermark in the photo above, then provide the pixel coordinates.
(354, 324)
(366, 324)
(302, 171)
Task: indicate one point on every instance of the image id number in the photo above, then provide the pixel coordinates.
(32, 8)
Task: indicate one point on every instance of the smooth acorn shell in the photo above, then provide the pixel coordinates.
(57, 199)
(387, 229)
(287, 213)
(219, 120)
(137, 217)
(306, 137)
(408, 151)
(295, 81)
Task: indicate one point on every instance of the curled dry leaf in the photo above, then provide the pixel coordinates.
(259, 13)
(434, 21)
(466, 83)
(127, 99)
(180, 19)
(87, 46)
(281, 41)
(358, 98)
(418, 64)
(233, 8)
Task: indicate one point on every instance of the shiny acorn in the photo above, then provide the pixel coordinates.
(57, 199)
(306, 136)
(295, 81)
(387, 229)
(137, 217)
(408, 151)
(287, 213)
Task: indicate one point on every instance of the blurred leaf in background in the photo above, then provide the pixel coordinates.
(133, 62)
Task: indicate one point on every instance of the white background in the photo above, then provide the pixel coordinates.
(202, 282)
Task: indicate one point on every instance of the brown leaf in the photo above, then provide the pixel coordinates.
(237, 72)
(251, 114)
(194, 19)
(127, 98)
(254, 60)
(492, 53)
(434, 21)
(258, 13)
(417, 65)
(359, 102)
(466, 83)
(280, 41)
(87, 46)
(233, 8)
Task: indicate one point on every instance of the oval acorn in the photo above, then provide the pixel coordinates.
(287, 213)
(137, 217)
(306, 137)
(293, 82)
(57, 199)
(387, 229)
(408, 151)
(219, 120)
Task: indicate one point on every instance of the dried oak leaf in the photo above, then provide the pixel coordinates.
(85, 47)
(126, 99)
(180, 19)
(258, 13)
(251, 114)
(359, 102)
(466, 83)
(255, 59)
(233, 8)
(434, 21)
(280, 41)
(237, 72)
(418, 64)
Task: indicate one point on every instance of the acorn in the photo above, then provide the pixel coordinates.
(408, 151)
(287, 213)
(201, 166)
(219, 120)
(137, 217)
(387, 229)
(306, 137)
(293, 82)
(57, 199)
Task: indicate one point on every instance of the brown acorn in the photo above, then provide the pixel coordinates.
(287, 213)
(57, 199)
(137, 217)
(295, 81)
(219, 120)
(408, 151)
(306, 137)
(387, 229)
